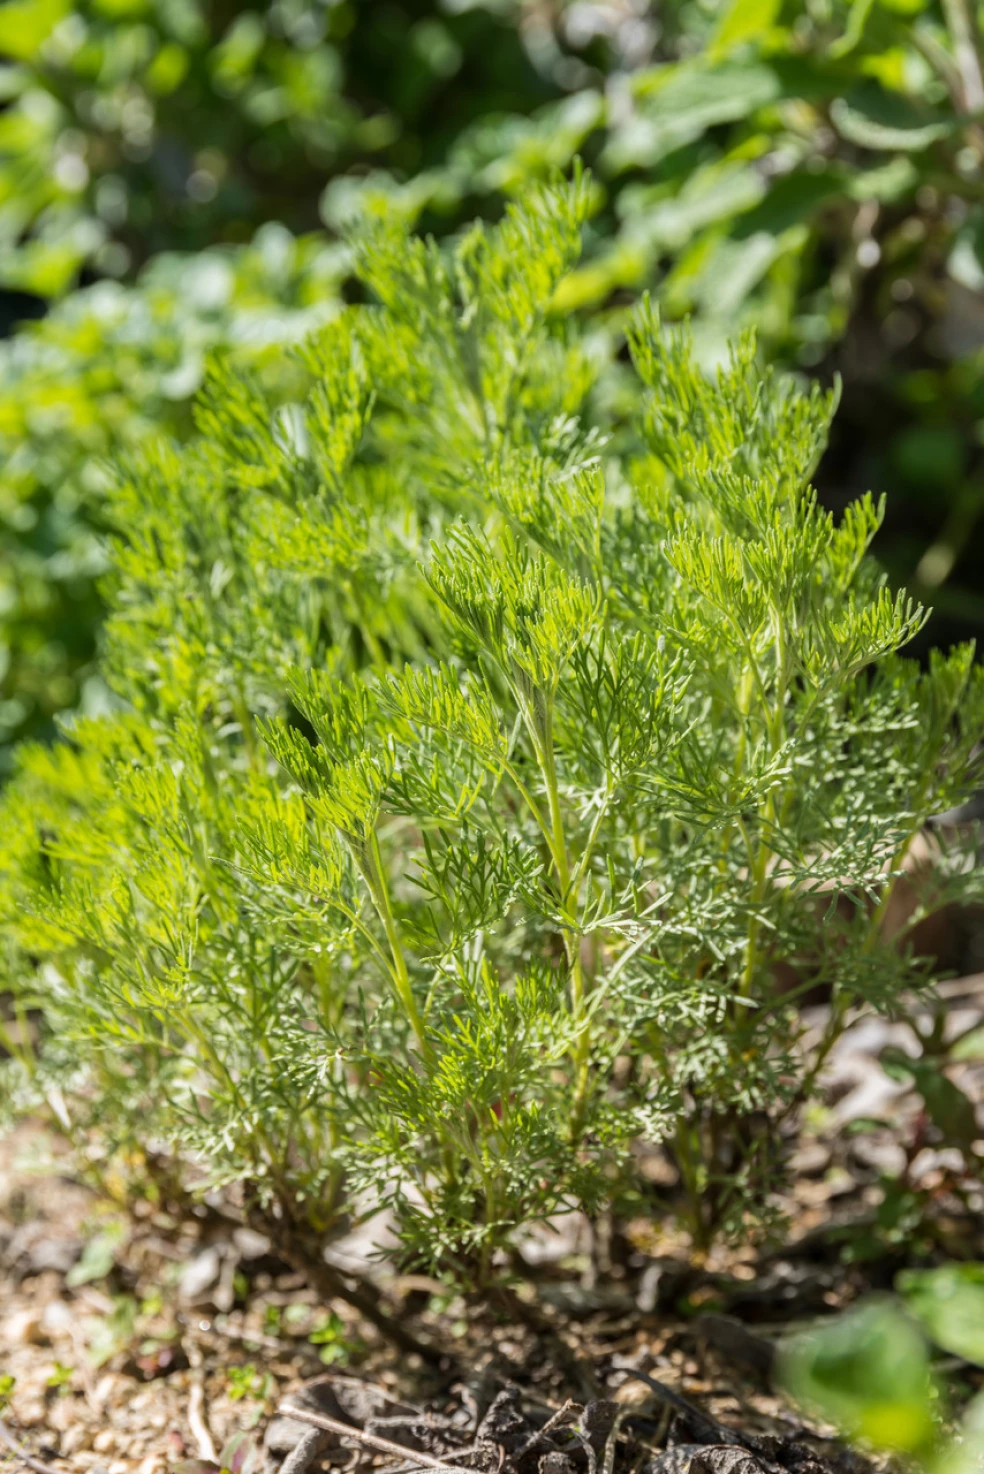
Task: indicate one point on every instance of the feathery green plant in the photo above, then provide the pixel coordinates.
(481, 774)
(108, 367)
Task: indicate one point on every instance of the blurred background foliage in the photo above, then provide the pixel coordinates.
(809, 167)
(136, 126)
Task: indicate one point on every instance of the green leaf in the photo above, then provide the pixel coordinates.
(950, 1304)
(743, 21)
(678, 104)
(950, 1110)
(115, 1331)
(886, 183)
(26, 24)
(240, 1454)
(965, 1455)
(860, 10)
(46, 268)
(971, 1046)
(98, 1256)
(877, 119)
(868, 1373)
(793, 198)
(710, 195)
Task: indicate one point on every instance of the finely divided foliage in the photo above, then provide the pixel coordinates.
(487, 782)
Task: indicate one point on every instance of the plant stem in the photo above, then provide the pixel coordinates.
(961, 27)
(775, 719)
(331, 1285)
(376, 879)
(544, 748)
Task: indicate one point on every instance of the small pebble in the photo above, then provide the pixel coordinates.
(57, 1318)
(30, 1411)
(104, 1388)
(77, 1438)
(62, 1414)
(23, 1328)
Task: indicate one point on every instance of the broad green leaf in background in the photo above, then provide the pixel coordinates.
(98, 1256)
(860, 10)
(971, 1046)
(965, 1455)
(950, 1110)
(115, 1330)
(872, 117)
(744, 20)
(717, 192)
(42, 267)
(677, 104)
(950, 1304)
(26, 24)
(868, 1373)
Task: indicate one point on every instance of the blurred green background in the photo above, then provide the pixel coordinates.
(176, 176)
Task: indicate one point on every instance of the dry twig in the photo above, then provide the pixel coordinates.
(304, 1453)
(558, 1417)
(710, 1427)
(196, 1406)
(10, 1442)
(367, 1440)
(608, 1459)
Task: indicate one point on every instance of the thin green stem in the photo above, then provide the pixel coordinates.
(543, 747)
(581, 869)
(775, 720)
(533, 807)
(376, 879)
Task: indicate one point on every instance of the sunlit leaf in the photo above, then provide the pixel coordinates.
(743, 21)
(950, 1303)
(867, 1372)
